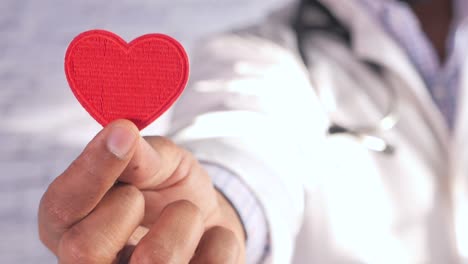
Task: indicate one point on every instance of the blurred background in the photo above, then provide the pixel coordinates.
(42, 126)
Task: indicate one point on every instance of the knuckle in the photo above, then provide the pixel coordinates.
(131, 195)
(216, 259)
(54, 213)
(87, 164)
(185, 167)
(167, 146)
(177, 160)
(226, 243)
(88, 167)
(184, 208)
(154, 255)
(226, 237)
(74, 248)
(223, 234)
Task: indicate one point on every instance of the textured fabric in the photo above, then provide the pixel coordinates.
(442, 79)
(248, 208)
(115, 80)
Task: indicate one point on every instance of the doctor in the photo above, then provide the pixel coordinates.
(333, 135)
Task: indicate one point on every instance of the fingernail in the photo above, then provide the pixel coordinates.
(120, 141)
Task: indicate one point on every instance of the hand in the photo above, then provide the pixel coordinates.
(130, 200)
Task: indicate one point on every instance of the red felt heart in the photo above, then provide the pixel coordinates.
(138, 81)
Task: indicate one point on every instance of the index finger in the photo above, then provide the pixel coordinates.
(77, 191)
(156, 164)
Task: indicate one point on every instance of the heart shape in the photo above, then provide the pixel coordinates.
(137, 81)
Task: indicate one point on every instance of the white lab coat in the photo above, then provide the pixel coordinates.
(254, 108)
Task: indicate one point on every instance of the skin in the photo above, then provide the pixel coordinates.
(128, 199)
(436, 17)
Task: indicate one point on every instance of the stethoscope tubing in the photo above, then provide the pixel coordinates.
(368, 136)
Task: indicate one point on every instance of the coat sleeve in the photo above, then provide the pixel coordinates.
(250, 108)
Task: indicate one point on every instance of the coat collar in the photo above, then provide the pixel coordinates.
(386, 52)
(461, 127)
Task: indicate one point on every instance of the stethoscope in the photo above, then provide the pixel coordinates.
(366, 135)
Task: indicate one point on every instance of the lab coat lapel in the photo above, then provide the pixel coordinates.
(459, 163)
(384, 51)
(461, 125)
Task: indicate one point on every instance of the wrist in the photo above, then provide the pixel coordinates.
(240, 203)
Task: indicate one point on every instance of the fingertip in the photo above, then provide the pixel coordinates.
(124, 123)
(122, 137)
